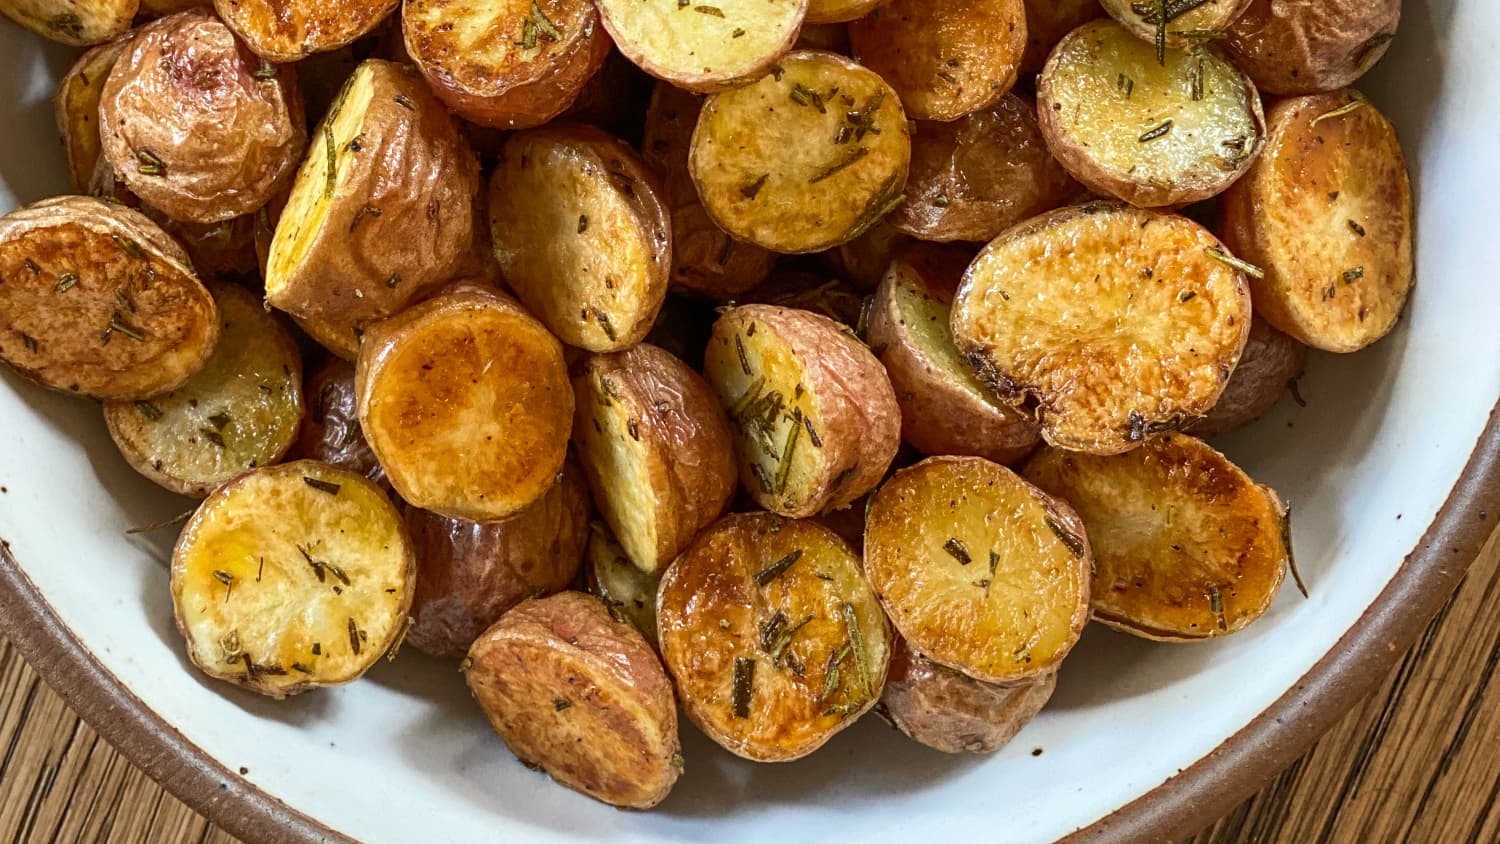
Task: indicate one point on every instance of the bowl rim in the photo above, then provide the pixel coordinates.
(1173, 810)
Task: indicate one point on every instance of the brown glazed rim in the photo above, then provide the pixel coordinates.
(1177, 808)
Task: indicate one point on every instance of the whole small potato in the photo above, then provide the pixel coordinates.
(1270, 363)
(952, 712)
(1306, 48)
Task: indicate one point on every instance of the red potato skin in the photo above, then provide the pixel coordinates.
(330, 431)
(955, 713)
(1308, 48)
(1271, 362)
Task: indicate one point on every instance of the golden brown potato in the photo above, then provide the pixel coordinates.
(581, 234)
(1305, 48)
(197, 126)
(240, 411)
(811, 291)
(1270, 363)
(804, 159)
(1151, 133)
(977, 176)
(839, 11)
(76, 106)
(772, 634)
(1186, 546)
(96, 299)
(1047, 21)
(954, 713)
(815, 420)
(1175, 23)
(512, 64)
(381, 211)
(330, 432)
(864, 260)
(289, 30)
(582, 696)
(946, 58)
(944, 408)
(292, 577)
(75, 22)
(465, 399)
(628, 592)
(702, 47)
(705, 259)
(656, 448)
(468, 574)
(1108, 324)
(980, 571)
(341, 339)
(1327, 216)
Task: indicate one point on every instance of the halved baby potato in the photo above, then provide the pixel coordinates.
(582, 234)
(1271, 362)
(700, 46)
(944, 407)
(465, 399)
(1175, 23)
(76, 22)
(1153, 133)
(1326, 214)
(1047, 21)
(76, 106)
(815, 420)
(806, 158)
(628, 592)
(839, 11)
(1108, 324)
(96, 299)
(582, 696)
(656, 448)
(240, 411)
(952, 712)
(773, 635)
(290, 30)
(946, 58)
(292, 577)
(1304, 48)
(1186, 545)
(330, 432)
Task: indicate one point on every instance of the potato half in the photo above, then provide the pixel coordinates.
(75, 22)
(582, 696)
(773, 636)
(330, 432)
(839, 11)
(96, 299)
(1327, 216)
(292, 577)
(628, 592)
(804, 159)
(1108, 324)
(76, 106)
(944, 408)
(290, 30)
(656, 448)
(582, 234)
(1047, 21)
(946, 58)
(240, 411)
(1270, 363)
(953, 712)
(1305, 48)
(699, 46)
(1175, 23)
(1151, 133)
(465, 399)
(815, 420)
(1186, 545)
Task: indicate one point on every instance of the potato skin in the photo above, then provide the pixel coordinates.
(110, 251)
(193, 124)
(330, 432)
(864, 260)
(839, 11)
(1306, 48)
(75, 22)
(955, 713)
(468, 574)
(76, 107)
(1047, 21)
(1270, 363)
(581, 695)
(290, 30)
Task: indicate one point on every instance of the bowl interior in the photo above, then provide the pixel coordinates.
(1365, 465)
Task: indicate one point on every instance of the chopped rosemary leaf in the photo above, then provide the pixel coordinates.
(714, 11)
(223, 577)
(405, 102)
(148, 410)
(354, 642)
(166, 523)
(739, 347)
(775, 570)
(212, 436)
(543, 24)
(1353, 275)
(1291, 558)
(1356, 228)
(1187, 295)
(956, 549)
(361, 214)
(744, 681)
(1125, 85)
(393, 282)
(149, 164)
(131, 249)
(1350, 108)
(583, 223)
(1067, 537)
(831, 673)
(331, 177)
(322, 485)
(219, 420)
(605, 324)
(751, 190)
(66, 282)
(266, 70)
(784, 468)
(857, 645)
(1243, 266)
(1159, 132)
(1216, 603)
(772, 629)
(812, 432)
(560, 704)
(941, 200)
(847, 161)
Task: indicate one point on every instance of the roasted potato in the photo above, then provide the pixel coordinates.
(1047, 21)
(330, 433)
(292, 577)
(628, 592)
(953, 712)
(465, 399)
(582, 696)
(340, 339)
(815, 420)
(839, 11)
(811, 291)
(195, 125)
(1327, 216)
(381, 210)
(469, 574)
(75, 22)
(1186, 545)
(944, 408)
(772, 634)
(96, 299)
(977, 176)
(655, 447)
(510, 65)
(946, 58)
(290, 30)
(161, 8)
(804, 159)
(1305, 48)
(1153, 133)
(582, 234)
(1268, 366)
(223, 250)
(76, 106)
(864, 260)
(701, 47)
(1108, 324)
(980, 571)
(705, 259)
(240, 411)
(1175, 23)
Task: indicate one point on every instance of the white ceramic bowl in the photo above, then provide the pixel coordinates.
(1142, 740)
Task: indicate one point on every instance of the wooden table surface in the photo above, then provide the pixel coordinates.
(1417, 762)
